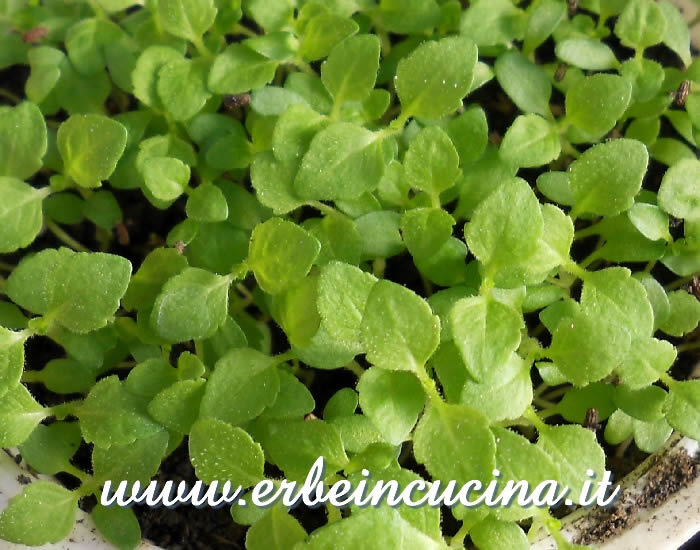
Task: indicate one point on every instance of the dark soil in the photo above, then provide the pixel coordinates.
(676, 471)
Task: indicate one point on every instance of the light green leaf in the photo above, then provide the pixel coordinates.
(177, 406)
(207, 203)
(136, 461)
(42, 513)
(431, 163)
(530, 141)
(574, 449)
(110, 415)
(392, 401)
(425, 230)
(343, 162)
(239, 69)
(606, 178)
(281, 254)
(651, 221)
(165, 177)
(647, 360)
(505, 226)
(454, 442)
(433, 79)
(322, 32)
(22, 140)
(244, 382)
(684, 315)
(221, 452)
(273, 181)
(117, 525)
(525, 83)
(679, 194)
(182, 87)
(543, 20)
(596, 103)
(350, 71)
(20, 213)
(146, 70)
(192, 305)
(343, 291)
(683, 408)
(469, 134)
(398, 329)
(188, 19)
(90, 146)
(677, 35)
(586, 53)
(277, 530)
(641, 24)
(19, 415)
(159, 266)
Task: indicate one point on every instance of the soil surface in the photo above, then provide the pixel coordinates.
(670, 474)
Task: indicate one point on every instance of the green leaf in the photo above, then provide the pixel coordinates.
(281, 254)
(505, 226)
(612, 295)
(454, 442)
(42, 513)
(650, 221)
(408, 16)
(182, 87)
(491, 23)
(343, 162)
(49, 448)
(110, 415)
(596, 103)
(294, 445)
(383, 526)
(683, 408)
(586, 53)
(244, 382)
(398, 329)
(677, 35)
(431, 163)
(188, 19)
(238, 69)
(513, 380)
(392, 401)
(684, 315)
(556, 187)
(86, 41)
(530, 141)
(11, 359)
(221, 452)
(641, 24)
(647, 360)
(380, 235)
(543, 20)
(157, 268)
(292, 136)
(270, 15)
(136, 461)
(525, 83)
(486, 332)
(23, 141)
(340, 240)
(294, 400)
(492, 534)
(350, 72)
(177, 406)
(469, 134)
(645, 404)
(20, 213)
(102, 209)
(433, 79)
(425, 230)
(277, 530)
(146, 71)
(518, 459)
(574, 449)
(165, 177)
(322, 32)
(207, 204)
(19, 415)
(587, 349)
(606, 178)
(343, 291)
(679, 194)
(118, 526)
(90, 146)
(273, 181)
(342, 403)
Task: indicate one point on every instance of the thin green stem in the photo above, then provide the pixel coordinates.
(242, 29)
(679, 282)
(534, 419)
(688, 346)
(10, 96)
(355, 368)
(458, 540)
(6, 267)
(64, 237)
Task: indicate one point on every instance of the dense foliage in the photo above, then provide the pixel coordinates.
(489, 215)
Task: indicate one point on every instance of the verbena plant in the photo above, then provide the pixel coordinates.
(547, 236)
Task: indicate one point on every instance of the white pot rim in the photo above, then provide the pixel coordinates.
(85, 535)
(668, 525)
